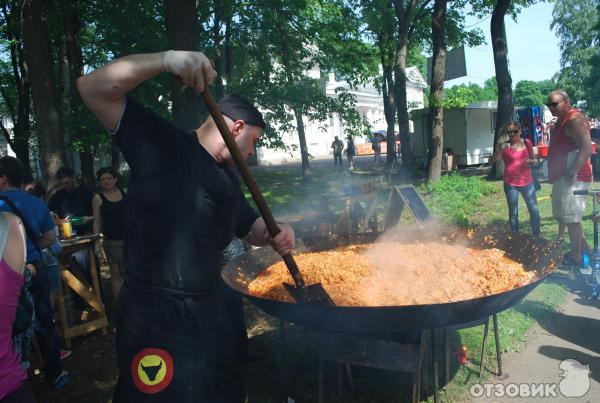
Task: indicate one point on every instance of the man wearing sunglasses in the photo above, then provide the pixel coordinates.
(569, 169)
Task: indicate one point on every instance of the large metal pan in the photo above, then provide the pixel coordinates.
(533, 253)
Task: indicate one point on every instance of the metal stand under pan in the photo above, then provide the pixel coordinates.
(415, 353)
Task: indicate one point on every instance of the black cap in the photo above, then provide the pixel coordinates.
(239, 108)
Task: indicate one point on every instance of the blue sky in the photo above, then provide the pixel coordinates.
(533, 50)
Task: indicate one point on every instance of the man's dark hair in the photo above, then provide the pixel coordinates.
(239, 108)
(106, 170)
(64, 172)
(36, 189)
(13, 169)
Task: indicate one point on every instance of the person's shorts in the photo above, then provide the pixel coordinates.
(567, 207)
(113, 251)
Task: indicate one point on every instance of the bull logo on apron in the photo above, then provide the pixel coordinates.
(152, 370)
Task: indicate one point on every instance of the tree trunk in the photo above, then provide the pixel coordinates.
(218, 18)
(182, 34)
(402, 104)
(72, 28)
(302, 140)
(285, 56)
(500, 49)
(228, 47)
(404, 14)
(386, 56)
(436, 94)
(39, 61)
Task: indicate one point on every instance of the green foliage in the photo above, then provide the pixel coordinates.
(528, 93)
(574, 21)
(462, 95)
(456, 199)
(593, 82)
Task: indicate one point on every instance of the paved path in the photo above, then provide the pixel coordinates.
(573, 333)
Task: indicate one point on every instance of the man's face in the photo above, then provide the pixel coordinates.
(558, 105)
(68, 183)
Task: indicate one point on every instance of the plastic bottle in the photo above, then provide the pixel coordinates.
(585, 269)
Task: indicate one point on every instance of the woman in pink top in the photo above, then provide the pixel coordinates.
(518, 177)
(13, 378)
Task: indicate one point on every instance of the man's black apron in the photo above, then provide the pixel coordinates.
(175, 347)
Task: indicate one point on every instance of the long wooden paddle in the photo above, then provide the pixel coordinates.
(313, 293)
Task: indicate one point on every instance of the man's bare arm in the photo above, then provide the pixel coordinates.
(104, 89)
(577, 129)
(48, 238)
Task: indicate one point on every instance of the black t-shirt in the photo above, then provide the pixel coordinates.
(112, 214)
(78, 203)
(183, 208)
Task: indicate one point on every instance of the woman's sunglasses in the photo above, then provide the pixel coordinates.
(514, 131)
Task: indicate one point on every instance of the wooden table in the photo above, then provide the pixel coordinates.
(73, 280)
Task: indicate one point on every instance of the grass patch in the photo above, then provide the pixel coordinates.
(456, 200)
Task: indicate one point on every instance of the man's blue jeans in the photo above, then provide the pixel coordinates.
(44, 324)
(529, 195)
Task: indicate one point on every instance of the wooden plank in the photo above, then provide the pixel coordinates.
(86, 328)
(81, 290)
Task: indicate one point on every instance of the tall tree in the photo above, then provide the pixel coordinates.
(181, 18)
(499, 9)
(436, 94)
(14, 83)
(503, 78)
(72, 117)
(573, 21)
(38, 56)
(409, 14)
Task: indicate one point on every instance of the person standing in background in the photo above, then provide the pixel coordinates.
(109, 215)
(518, 177)
(569, 169)
(377, 149)
(350, 151)
(73, 200)
(337, 146)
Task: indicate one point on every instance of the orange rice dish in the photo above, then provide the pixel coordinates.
(396, 274)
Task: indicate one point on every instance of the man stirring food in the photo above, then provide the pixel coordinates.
(174, 339)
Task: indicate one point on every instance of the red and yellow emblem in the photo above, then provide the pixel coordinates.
(152, 370)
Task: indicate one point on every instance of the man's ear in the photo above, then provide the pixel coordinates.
(237, 128)
(3, 180)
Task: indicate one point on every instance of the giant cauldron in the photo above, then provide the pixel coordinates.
(534, 253)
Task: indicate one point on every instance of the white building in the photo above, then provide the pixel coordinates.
(320, 135)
